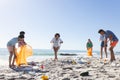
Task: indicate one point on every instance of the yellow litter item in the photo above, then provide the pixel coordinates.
(22, 53)
(44, 77)
(89, 52)
(73, 62)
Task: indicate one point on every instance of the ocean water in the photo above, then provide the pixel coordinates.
(48, 53)
(45, 52)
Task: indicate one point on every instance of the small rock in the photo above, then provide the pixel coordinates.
(84, 74)
(66, 79)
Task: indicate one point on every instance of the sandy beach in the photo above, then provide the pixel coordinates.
(66, 68)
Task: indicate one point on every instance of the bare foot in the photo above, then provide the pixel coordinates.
(55, 59)
(13, 66)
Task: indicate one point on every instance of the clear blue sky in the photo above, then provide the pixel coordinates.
(75, 20)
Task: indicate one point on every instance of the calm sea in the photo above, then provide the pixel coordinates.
(49, 53)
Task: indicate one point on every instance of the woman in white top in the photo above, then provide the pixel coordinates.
(11, 48)
(56, 44)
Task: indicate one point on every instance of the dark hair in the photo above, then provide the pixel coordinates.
(21, 36)
(57, 34)
(22, 32)
(101, 30)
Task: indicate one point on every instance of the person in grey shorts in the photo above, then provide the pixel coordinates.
(103, 46)
(11, 48)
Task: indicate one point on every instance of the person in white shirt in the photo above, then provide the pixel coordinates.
(56, 44)
(103, 46)
(11, 48)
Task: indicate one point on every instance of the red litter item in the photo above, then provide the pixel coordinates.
(42, 66)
